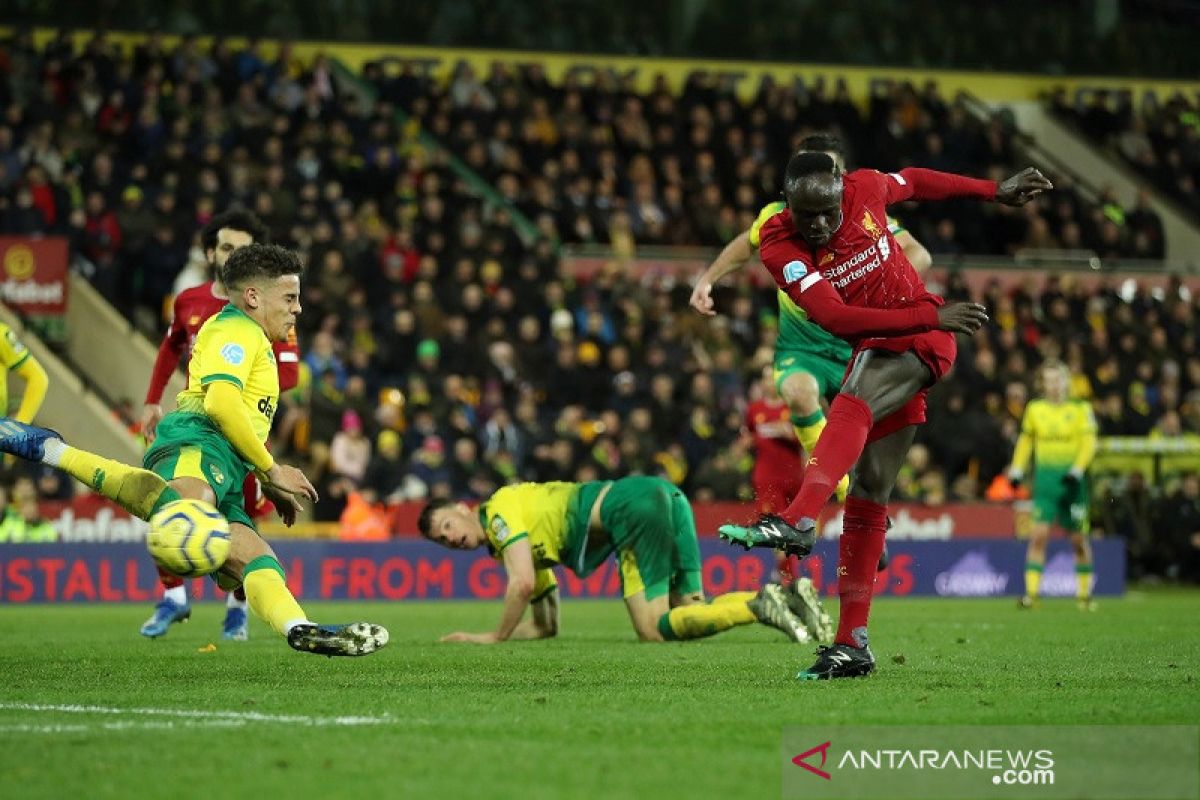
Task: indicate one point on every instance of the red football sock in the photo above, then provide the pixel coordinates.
(841, 443)
(168, 580)
(863, 528)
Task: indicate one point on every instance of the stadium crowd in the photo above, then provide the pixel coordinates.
(1160, 140)
(445, 354)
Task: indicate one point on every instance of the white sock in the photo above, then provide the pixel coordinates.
(231, 601)
(176, 594)
(287, 628)
(52, 451)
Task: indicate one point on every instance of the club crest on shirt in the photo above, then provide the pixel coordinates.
(14, 342)
(499, 529)
(825, 259)
(194, 320)
(233, 353)
(870, 225)
(794, 271)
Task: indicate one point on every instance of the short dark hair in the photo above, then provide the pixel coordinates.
(824, 143)
(425, 520)
(260, 260)
(236, 219)
(806, 165)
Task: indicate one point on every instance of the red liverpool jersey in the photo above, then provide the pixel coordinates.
(862, 267)
(192, 309)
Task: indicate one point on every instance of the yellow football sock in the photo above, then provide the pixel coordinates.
(697, 621)
(734, 597)
(269, 596)
(138, 491)
(1033, 578)
(1083, 581)
(808, 429)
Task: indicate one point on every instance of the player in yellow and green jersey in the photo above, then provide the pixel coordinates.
(206, 447)
(810, 362)
(645, 522)
(1060, 436)
(16, 358)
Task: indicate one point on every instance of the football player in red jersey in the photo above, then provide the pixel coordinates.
(832, 253)
(224, 234)
(778, 466)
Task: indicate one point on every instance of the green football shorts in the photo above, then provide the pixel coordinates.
(827, 370)
(190, 446)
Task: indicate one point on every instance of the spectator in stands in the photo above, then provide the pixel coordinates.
(1179, 516)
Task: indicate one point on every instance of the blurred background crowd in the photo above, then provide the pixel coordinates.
(446, 350)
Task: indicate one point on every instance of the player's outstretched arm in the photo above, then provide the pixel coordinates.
(735, 256)
(518, 563)
(916, 183)
(826, 308)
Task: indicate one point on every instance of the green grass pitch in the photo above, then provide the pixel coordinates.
(90, 709)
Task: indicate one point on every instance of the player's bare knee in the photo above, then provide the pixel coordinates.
(802, 394)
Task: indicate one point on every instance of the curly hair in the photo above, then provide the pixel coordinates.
(236, 219)
(259, 261)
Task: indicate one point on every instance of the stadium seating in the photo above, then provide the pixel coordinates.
(433, 314)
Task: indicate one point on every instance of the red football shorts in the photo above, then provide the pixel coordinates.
(936, 349)
(257, 504)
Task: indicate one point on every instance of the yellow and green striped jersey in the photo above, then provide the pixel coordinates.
(12, 355)
(1058, 436)
(233, 347)
(539, 512)
(795, 330)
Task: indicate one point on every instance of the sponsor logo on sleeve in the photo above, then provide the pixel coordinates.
(233, 354)
(500, 529)
(794, 271)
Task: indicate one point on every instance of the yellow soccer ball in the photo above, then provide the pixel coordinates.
(188, 538)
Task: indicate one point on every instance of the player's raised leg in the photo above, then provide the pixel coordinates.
(879, 384)
(138, 491)
(801, 390)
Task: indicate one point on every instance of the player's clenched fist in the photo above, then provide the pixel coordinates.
(961, 317)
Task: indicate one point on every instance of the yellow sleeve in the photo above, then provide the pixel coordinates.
(226, 349)
(1087, 448)
(504, 521)
(12, 351)
(1024, 448)
(36, 384)
(544, 583)
(223, 404)
(768, 211)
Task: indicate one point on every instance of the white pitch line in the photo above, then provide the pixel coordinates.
(212, 717)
